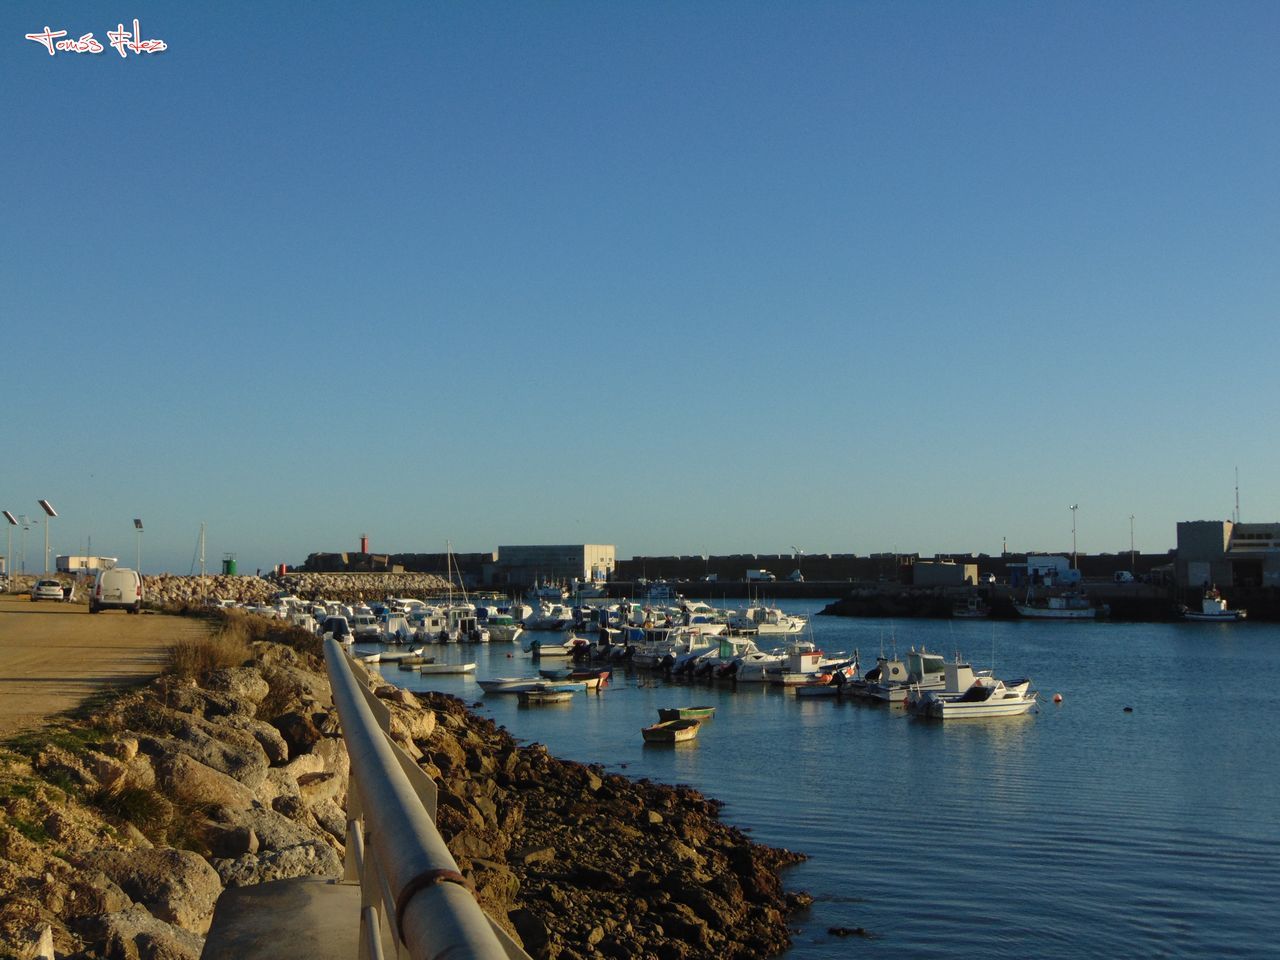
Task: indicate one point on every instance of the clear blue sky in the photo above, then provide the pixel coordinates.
(681, 277)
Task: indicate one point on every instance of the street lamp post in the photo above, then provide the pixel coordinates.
(47, 507)
(137, 525)
(799, 558)
(1131, 553)
(1074, 508)
(26, 525)
(8, 554)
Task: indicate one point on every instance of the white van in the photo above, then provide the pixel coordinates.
(118, 588)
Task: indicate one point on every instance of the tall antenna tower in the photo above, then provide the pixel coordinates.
(1237, 494)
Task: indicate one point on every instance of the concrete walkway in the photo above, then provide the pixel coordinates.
(54, 656)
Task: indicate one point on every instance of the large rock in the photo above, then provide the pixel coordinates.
(134, 934)
(313, 858)
(176, 886)
(298, 731)
(193, 783)
(227, 749)
(241, 682)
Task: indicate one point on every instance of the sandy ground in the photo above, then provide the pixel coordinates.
(53, 656)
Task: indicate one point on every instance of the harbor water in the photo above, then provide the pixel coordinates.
(1081, 830)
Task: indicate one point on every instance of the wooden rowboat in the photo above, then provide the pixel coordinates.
(447, 668)
(671, 731)
(687, 713)
(539, 697)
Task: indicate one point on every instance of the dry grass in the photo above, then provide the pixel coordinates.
(228, 647)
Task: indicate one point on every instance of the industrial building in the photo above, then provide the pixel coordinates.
(83, 564)
(527, 565)
(943, 573)
(1227, 554)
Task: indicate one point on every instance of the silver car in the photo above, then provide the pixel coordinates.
(46, 590)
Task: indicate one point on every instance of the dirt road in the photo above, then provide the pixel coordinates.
(53, 655)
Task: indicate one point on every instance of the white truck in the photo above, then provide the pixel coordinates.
(756, 576)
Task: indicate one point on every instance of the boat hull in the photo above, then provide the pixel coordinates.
(671, 731)
(686, 713)
(1046, 613)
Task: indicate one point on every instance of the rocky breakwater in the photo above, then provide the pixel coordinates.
(167, 590)
(119, 830)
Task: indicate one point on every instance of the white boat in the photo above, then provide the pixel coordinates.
(766, 620)
(365, 625)
(924, 671)
(803, 662)
(1063, 606)
(395, 656)
(982, 696)
(548, 648)
(552, 616)
(396, 629)
(447, 668)
(367, 657)
(660, 643)
(510, 684)
(1213, 609)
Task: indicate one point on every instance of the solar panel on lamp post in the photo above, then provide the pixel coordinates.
(47, 507)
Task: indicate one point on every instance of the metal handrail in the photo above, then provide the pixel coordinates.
(425, 899)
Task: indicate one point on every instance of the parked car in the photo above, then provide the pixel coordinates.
(118, 588)
(46, 590)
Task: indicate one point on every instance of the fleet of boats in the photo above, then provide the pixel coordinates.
(685, 640)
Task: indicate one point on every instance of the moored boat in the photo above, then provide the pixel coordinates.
(967, 694)
(530, 698)
(686, 713)
(1213, 609)
(671, 731)
(447, 668)
(1063, 606)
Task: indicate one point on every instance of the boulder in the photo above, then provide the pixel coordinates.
(134, 934)
(312, 858)
(298, 731)
(242, 682)
(195, 784)
(176, 886)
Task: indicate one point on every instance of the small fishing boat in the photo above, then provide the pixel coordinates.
(973, 608)
(367, 657)
(525, 684)
(447, 668)
(1064, 606)
(671, 731)
(531, 698)
(510, 684)
(967, 694)
(595, 679)
(986, 698)
(1213, 609)
(392, 656)
(686, 713)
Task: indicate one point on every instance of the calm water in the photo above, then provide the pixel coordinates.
(1078, 831)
